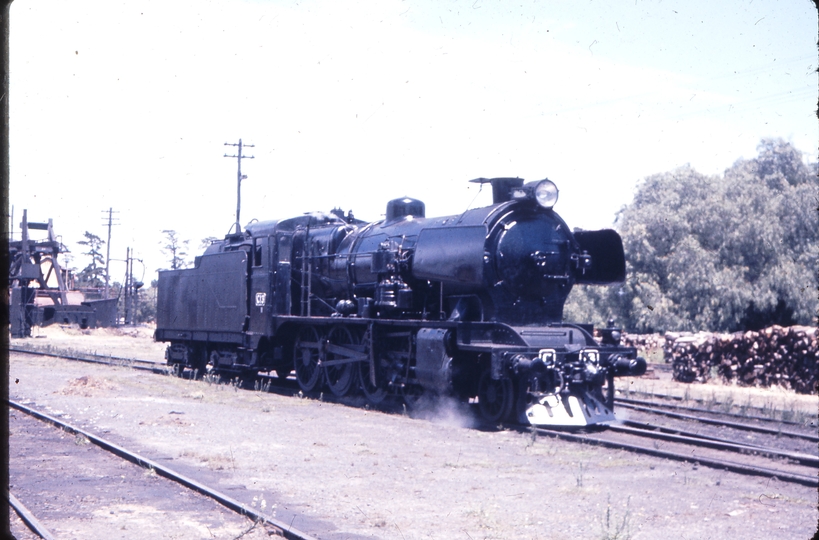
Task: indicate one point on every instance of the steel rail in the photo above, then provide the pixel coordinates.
(151, 366)
(282, 528)
(672, 397)
(645, 430)
(135, 363)
(741, 468)
(697, 409)
(667, 429)
(29, 519)
(102, 359)
(735, 425)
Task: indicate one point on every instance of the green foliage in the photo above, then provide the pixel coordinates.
(728, 253)
(175, 249)
(590, 304)
(92, 275)
(146, 304)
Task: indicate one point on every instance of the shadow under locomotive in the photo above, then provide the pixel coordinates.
(468, 306)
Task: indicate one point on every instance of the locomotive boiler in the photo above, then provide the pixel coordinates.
(469, 305)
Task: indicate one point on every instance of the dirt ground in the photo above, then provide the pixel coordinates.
(338, 472)
(86, 492)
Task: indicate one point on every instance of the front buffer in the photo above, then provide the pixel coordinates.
(559, 375)
(571, 385)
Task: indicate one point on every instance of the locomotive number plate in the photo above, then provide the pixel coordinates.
(261, 298)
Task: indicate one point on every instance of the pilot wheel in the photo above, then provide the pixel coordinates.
(495, 397)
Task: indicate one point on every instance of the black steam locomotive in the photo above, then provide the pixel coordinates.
(468, 305)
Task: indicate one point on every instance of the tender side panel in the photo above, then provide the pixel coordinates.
(210, 297)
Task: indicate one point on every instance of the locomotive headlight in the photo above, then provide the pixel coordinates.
(546, 193)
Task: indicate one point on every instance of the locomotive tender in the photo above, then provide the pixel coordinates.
(469, 305)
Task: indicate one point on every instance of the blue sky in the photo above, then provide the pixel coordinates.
(128, 105)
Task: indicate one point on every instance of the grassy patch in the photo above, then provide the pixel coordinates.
(614, 527)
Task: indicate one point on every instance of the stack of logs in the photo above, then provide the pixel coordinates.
(785, 357)
(644, 342)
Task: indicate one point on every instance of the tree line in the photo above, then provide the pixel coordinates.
(724, 253)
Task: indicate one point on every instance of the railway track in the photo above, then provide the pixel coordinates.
(700, 410)
(724, 423)
(685, 448)
(135, 363)
(278, 527)
(671, 401)
(29, 519)
(802, 470)
(153, 366)
(697, 439)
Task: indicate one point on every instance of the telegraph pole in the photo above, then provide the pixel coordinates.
(128, 276)
(131, 288)
(108, 250)
(239, 178)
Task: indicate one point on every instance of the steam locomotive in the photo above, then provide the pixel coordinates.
(469, 306)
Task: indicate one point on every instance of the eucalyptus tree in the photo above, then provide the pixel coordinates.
(723, 253)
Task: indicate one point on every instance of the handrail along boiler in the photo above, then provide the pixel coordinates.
(469, 305)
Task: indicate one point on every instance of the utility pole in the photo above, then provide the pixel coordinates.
(130, 287)
(108, 250)
(239, 178)
(127, 318)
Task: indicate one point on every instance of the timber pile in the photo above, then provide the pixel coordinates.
(775, 356)
(645, 342)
